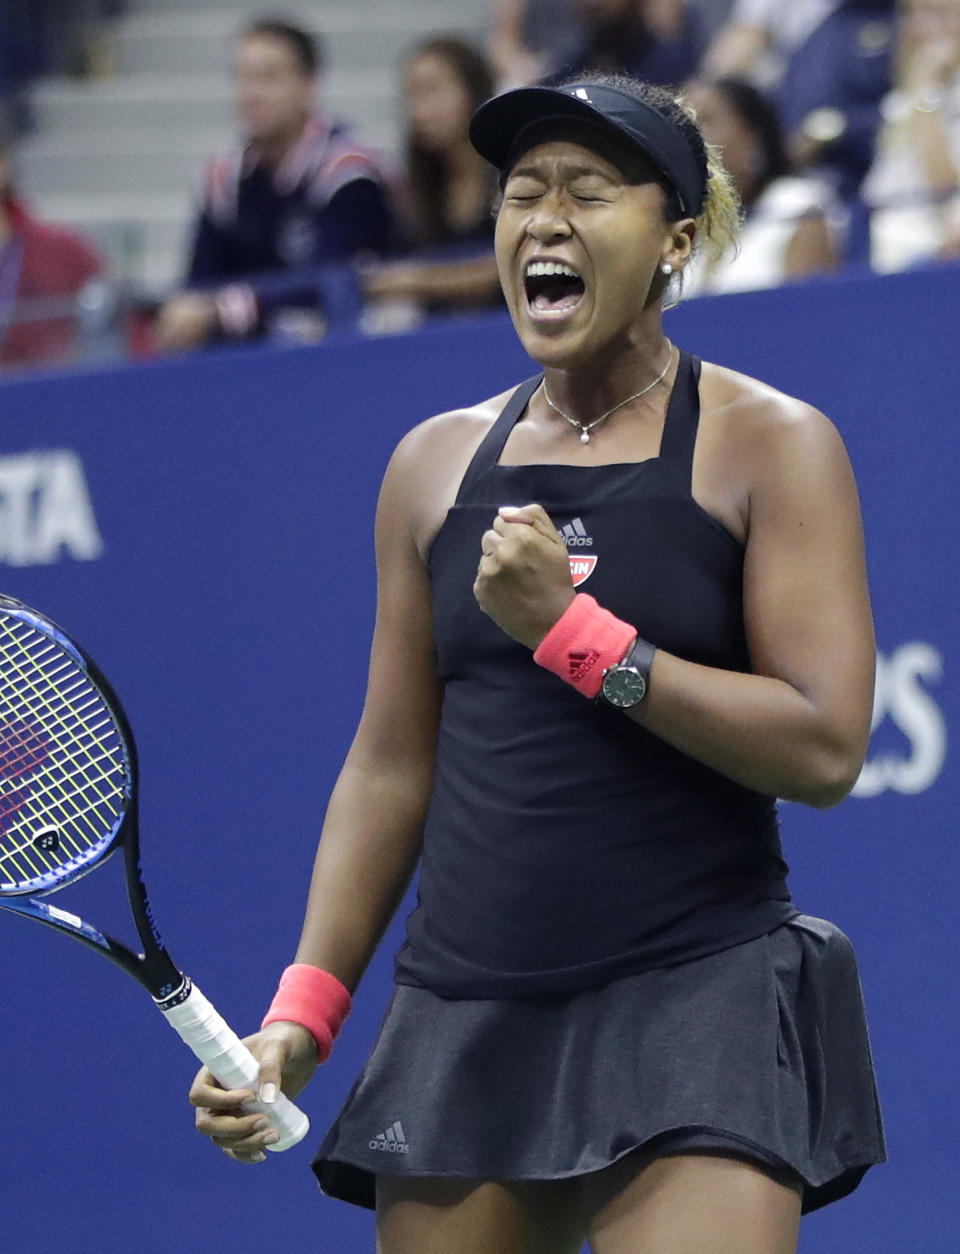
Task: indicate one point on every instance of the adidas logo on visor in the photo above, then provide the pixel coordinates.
(390, 1142)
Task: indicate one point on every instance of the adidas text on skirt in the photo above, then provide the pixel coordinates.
(759, 1051)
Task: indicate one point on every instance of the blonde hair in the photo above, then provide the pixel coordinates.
(721, 218)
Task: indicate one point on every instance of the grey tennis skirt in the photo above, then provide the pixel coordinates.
(759, 1051)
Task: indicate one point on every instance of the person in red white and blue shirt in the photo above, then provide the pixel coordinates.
(299, 194)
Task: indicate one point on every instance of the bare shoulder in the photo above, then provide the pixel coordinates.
(430, 461)
(446, 434)
(762, 426)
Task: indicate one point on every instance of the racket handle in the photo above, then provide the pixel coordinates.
(220, 1049)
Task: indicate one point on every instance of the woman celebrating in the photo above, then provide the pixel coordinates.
(610, 1020)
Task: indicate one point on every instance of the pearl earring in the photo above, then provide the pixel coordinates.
(667, 268)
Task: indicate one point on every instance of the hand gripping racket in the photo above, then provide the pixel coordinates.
(68, 799)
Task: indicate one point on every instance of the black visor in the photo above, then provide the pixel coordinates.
(498, 125)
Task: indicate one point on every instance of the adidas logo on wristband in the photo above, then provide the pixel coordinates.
(582, 663)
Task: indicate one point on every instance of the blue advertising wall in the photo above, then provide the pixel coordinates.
(205, 527)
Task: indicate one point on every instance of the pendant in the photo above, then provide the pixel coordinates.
(585, 437)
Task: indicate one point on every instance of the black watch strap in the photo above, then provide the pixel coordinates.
(621, 688)
(640, 657)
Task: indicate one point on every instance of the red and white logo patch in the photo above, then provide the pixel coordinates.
(581, 566)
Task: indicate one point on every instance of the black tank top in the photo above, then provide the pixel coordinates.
(565, 845)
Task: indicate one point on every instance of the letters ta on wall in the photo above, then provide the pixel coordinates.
(45, 509)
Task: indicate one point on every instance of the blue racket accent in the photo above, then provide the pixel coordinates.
(65, 921)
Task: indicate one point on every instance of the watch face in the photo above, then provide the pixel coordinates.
(624, 686)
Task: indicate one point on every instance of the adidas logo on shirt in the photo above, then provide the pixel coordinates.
(582, 565)
(575, 535)
(392, 1141)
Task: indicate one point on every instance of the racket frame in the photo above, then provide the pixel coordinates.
(182, 1003)
(153, 969)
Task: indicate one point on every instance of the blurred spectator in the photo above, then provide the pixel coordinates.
(449, 188)
(22, 30)
(913, 185)
(43, 269)
(533, 39)
(713, 14)
(47, 36)
(299, 193)
(530, 38)
(832, 90)
(787, 231)
(659, 41)
(827, 64)
(761, 35)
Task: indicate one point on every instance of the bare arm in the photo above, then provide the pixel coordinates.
(810, 250)
(513, 62)
(936, 154)
(929, 75)
(798, 727)
(734, 50)
(463, 283)
(372, 833)
(371, 837)
(950, 248)
(506, 23)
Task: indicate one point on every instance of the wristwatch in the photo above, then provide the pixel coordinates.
(625, 685)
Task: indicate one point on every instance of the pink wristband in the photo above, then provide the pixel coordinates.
(584, 641)
(313, 998)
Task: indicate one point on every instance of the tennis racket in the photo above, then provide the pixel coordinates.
(68, 800)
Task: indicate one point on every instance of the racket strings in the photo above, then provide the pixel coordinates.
(83, 733)
(64, 756)
(39, 829)
(74, 724)
(59, 824)
(69, 802)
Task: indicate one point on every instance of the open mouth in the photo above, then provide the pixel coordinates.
(552, 288)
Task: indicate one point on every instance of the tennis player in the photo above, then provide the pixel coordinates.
(622, 608)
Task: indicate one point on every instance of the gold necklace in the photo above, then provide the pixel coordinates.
(586, 428)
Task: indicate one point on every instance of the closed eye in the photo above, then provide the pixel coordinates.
(590, 193)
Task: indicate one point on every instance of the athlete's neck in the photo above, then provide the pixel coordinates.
(584, 392)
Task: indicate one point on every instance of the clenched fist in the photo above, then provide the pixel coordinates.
(523, 580)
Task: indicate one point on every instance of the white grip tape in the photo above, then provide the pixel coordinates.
(217, 1046)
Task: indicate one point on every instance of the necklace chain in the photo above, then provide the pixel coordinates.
(586, 427)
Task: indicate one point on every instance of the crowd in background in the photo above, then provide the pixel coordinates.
(48, 37)
(839, 121)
